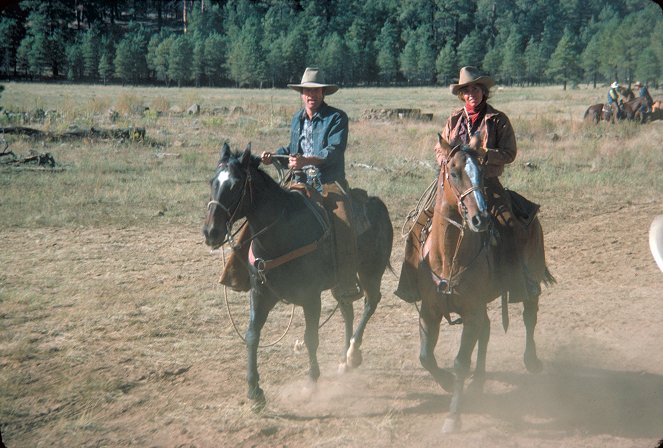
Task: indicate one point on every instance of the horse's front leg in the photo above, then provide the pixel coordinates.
(371, 288)
(530, 316)
(347, 311)
(429, 331)
(472, 326)
(479, 377)
(259, 310)
(311, 339)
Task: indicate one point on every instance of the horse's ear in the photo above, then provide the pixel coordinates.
(478, 143)
(246, 156)
(442, 144)
(224, 154)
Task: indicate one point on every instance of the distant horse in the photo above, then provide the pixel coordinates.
(656, 111)
(460, 273)
(596, 113)
(626, 93)
(292, 254)
(601, 111)
(633, 109)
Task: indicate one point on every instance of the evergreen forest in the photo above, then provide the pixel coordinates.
(268, 43)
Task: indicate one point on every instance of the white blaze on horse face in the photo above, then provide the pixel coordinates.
(473, 172)
(223, 177)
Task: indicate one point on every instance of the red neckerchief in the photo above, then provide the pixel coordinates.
(473, 113)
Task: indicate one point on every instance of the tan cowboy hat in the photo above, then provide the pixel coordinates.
(638, 83)
(470, 75)
(313, 79)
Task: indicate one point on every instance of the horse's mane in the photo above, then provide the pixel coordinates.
(235, 163)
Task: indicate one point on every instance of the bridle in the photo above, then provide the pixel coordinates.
(460, 196)
(231, 215)
(445, 286)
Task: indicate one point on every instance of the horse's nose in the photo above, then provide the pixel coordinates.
(211, 234)
(480, 222)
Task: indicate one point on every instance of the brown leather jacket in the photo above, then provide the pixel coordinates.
(499, 138)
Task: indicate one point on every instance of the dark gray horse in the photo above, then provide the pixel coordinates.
(292, 255)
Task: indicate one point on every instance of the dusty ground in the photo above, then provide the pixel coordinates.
(119, 337)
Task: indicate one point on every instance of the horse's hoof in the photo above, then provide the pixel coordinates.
(355, 358)
(445, 379)
(451, 425)
(257, 396)
(309, 389)
(533, 364)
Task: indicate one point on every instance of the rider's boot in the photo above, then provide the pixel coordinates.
(345, 242)
(407, 283)
(235, 274)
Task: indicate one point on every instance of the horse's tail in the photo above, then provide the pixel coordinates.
(584, 117)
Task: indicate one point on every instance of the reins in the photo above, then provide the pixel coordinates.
(230, 316)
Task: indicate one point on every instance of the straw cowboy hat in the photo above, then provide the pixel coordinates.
(313, 79)
(638, 84)
(470, 75)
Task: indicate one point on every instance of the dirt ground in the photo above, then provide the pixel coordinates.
(128, 343)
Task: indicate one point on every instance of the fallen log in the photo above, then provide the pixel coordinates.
(132, 133)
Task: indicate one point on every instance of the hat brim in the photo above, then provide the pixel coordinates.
(484, 80)
(328, 89)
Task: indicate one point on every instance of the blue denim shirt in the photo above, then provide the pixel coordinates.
(330, 137)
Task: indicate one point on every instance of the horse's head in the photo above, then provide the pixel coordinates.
(230, 195)
(462, 177)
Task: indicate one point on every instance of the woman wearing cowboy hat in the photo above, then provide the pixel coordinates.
(479, 118)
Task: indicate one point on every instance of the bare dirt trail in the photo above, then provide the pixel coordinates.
(131, 346)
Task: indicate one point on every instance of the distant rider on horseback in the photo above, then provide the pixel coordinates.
(615, 101)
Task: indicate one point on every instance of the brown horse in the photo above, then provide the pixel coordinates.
(460, 274)
(596, 113)
(656, 111)
(633, 109)
(626, 93)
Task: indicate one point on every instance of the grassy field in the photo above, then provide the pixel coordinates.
(106, 301)
(120, 183)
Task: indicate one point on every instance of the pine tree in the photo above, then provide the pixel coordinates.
(75, 62)
(245, 61)
(471, 50)
(446, 64)
(214, 54)
(563, 66)
(511, 68)
(198, 59)
(408, 61)
(387, 47)
(333, 58)
(180, 60)
(105, 67)
(90, 53)
(426, 57)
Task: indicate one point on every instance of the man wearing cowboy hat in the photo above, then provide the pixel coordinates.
(318, 138)
(479, 118)
(614, 99)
